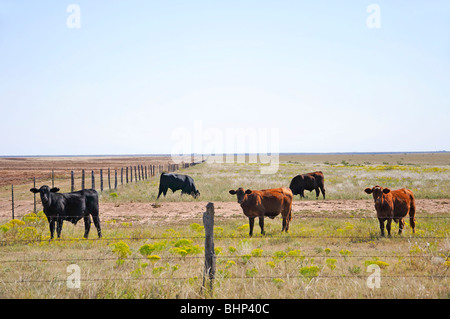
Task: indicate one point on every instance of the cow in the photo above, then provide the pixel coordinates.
(71, 207)
(176, 182)
(266, 202)
(308, 181)
(393, 205)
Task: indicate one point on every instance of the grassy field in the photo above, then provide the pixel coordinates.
(342, 180)
(322, 256)
(318, 258)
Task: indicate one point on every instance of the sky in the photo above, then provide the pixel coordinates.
(163, 77)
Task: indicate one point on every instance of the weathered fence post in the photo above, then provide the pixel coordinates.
(82, 179)
(135, 174)
(101, 180)
(210, 257)
(12, 200)
(34, 195)
(109, 178)
(115, 179)
(126, 174)
(53, 178)
(121, 176)
(93, 179)
(72, 182)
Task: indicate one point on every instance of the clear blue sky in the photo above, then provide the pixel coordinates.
(136, 71)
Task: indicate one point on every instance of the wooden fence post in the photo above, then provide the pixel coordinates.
(72, 182)
(93, 179)
(109, 178)
(126, 174)
(210, 257)
(121, 176)
(34, 195)
(53, 178)
(12, 200)
(82, 179)
(115, 179)
(101, 180)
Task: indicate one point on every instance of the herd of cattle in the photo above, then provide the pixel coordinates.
(389, 205)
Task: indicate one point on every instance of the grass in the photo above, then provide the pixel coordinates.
(341, 181)
(318, 258)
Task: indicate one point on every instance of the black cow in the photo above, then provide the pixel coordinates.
(308, 181)
(176, 182)
(71, 207)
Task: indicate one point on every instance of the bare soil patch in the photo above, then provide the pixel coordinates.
(173, 212)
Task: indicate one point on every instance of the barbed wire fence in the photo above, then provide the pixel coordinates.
(101, 179)
(210, 258)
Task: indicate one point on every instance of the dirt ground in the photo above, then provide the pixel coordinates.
(22, 170)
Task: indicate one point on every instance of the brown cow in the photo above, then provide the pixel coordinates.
(266, 202)
(393, 205)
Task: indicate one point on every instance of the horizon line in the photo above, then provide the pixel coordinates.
(225, 154)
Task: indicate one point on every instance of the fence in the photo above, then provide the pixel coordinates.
(124, 175)
(210, 258)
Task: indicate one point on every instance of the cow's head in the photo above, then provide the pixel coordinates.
(377, 192)
(44, 191)
(195, 194)
(240, 193)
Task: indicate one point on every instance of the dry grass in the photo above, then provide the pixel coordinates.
(319, 258)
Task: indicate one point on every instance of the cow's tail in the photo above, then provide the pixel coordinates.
(412, 213)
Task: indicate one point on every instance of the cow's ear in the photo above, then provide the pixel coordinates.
(248, 191)
(368, 190)
(54, 190)
(386, 190)
(34, 190)
(232, 192)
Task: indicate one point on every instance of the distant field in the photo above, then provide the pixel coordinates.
(343, 180)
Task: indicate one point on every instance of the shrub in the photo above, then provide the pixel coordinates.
(309, 272)
(122, 251)
(257, 252)
(331, 263)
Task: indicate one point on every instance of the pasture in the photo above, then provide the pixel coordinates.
(154, 249)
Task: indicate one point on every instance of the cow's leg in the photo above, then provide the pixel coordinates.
(317, 192)
(302, 193)
(87, 225)
(97, 225)
(388, 226)
(251, 222)
(381, 220)
(59, 223)
(261, 225)
(323, 191)
(401, 224)
(51, 223)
